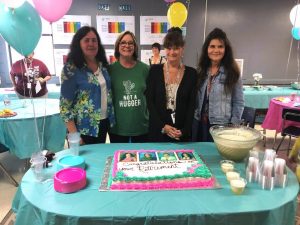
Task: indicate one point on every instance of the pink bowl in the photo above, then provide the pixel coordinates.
(69, 180)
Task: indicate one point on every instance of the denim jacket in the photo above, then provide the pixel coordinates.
(222, 108)
(80, 98)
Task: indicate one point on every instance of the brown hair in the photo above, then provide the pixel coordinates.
(118, 41)
(174, 38)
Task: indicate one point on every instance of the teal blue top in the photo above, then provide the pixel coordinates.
(40, 204)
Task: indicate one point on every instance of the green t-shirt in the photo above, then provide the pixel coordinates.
(128, 89)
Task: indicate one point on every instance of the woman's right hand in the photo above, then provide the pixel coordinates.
(172, 132)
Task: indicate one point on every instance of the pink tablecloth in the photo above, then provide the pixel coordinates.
(273, 120)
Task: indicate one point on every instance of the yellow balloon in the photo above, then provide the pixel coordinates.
(177, 14)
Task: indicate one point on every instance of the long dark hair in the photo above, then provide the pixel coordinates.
(76, 55)
(230, 65)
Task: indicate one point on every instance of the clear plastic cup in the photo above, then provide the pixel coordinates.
(231, 175)
(267, 175)
(293, 96)
(280, 173)
(270, 154)
(238, 185)
(38, 164)
(74, 142)
(252, 169)
(227, 165)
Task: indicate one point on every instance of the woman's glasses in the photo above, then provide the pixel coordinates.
(124, 43)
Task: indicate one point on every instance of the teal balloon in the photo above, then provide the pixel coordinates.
(296, 33)
(20, 27)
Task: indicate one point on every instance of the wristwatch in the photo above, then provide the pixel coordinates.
(163, 131)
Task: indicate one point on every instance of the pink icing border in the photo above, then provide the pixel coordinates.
(166, 185)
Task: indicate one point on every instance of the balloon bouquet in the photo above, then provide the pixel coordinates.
(21, 28)
(20, 22)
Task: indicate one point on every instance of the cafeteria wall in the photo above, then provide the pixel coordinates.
(259, 31)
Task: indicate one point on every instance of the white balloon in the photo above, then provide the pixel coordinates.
(295, 16)
(13, 3)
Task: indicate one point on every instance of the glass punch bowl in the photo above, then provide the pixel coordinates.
(234, 141)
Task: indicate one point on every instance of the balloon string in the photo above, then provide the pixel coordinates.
(188, 9)
(298, 61)
(289, 56)
(53, 48)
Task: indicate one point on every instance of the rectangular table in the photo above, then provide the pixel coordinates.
(40, 204)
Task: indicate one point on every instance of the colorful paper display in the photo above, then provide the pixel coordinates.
(159, 27)
(116, 27)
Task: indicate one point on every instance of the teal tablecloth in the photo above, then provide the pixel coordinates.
(20, 133)
(260, 98)
(40, 204)
(53, 92)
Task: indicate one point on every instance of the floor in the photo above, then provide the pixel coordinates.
(17, 168)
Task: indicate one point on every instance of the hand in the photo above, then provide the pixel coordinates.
(40, 79)
(172, 132)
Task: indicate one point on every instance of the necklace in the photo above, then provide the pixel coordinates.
(177, 81)
(171, 88)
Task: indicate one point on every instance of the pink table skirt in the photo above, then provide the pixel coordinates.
(273, 120)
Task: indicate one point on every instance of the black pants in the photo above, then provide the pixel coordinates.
(103, 130)
(201, 131)
(114, 138)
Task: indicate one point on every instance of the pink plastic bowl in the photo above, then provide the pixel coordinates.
(69, 180)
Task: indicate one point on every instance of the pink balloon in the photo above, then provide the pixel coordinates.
(52, 10)
(169, 1)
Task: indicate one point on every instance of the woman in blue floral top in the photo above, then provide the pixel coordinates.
(85, 102)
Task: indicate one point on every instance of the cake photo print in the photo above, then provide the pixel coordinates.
(136, 170)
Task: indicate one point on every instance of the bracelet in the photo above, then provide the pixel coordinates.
(163, 131)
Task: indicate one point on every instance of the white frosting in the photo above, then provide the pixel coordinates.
(155, 168)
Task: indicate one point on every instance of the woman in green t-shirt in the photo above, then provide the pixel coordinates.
(128, 77)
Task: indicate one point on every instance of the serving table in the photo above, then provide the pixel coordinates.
(40, 204)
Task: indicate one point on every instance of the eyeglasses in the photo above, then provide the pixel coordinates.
(124, 43)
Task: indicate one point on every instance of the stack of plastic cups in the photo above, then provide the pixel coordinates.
(252, 166)
(38, 162)
(74, 141)
(267, 170)
(280, 173)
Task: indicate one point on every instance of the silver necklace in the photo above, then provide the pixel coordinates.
(171, 89)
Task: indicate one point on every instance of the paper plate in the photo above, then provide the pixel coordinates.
(67, 161)
(6, 115)
(69, 180)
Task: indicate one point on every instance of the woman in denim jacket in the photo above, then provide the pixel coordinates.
(220, 97)
(85, 101)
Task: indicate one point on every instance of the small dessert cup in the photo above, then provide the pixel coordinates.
(232, 175)
(238, 185)
(227, 165)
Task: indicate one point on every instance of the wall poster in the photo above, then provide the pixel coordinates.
(153, 29)
(109, 27)
(66, 27)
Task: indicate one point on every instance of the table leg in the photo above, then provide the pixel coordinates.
(8, 175)
(274, 142)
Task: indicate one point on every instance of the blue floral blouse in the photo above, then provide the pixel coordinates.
(80, 98)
